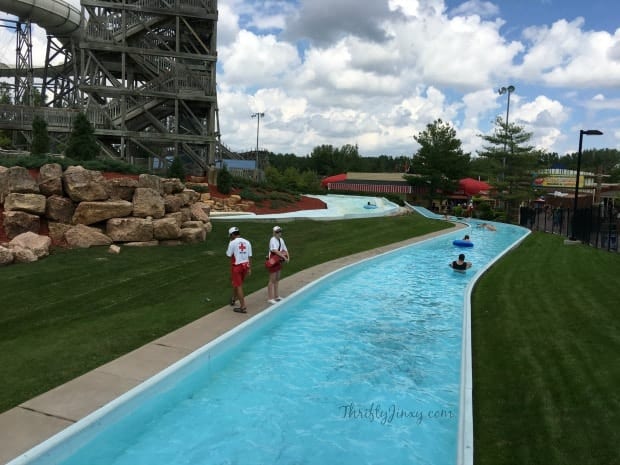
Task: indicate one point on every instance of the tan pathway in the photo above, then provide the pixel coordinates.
(35, 420)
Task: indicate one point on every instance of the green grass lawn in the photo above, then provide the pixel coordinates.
(78, 309)
(546, 345)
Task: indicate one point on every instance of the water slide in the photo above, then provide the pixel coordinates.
(57, 17)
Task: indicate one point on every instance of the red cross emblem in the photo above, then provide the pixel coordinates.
(242, 247)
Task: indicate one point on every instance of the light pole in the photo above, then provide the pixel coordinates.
(258, 116)
(506, 90)
(588, 132)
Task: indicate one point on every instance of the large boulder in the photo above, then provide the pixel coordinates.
(22, 255)
(40, 245)
(83, 236)
(59, 209)
(193, 235)
(173, 186)
(130, 229)
(16, 222)
(232, 201)
(186, 215)
(200, 212)
(178, 217)
(189, 196)
(57, 231)
(19, 180)
(29, 203)
(148, 202)
(173, 203)
(83, 185)
(166, 229)
(50, 179)
(6, 256)
(151, 182)
(121, 188)
(95, 212)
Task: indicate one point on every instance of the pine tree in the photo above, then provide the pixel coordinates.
(40, 137)
(82, 141)
(176, 169)
(224, 180)
(512, 162)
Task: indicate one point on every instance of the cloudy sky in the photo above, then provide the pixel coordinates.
(375, 73)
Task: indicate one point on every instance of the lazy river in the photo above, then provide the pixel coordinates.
(362, 366)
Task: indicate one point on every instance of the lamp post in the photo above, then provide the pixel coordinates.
(587, 132)
(258, 116)
(506, 90)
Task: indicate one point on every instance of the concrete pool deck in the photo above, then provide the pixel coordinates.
(37, 419)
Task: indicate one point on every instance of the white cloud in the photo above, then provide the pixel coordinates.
(254, 61)
(476, 7)
(565, 55)
(227, 25)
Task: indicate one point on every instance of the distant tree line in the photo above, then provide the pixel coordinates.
(327, 160)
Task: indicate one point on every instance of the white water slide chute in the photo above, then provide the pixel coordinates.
(61, 22)
(57, 17)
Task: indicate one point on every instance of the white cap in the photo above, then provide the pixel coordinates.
(277, 229)
(233, 230)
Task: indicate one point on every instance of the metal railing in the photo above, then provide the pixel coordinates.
(594, 226)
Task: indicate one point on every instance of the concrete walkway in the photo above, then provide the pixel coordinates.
(37, 419)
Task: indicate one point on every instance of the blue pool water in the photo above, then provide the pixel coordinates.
(362, 367)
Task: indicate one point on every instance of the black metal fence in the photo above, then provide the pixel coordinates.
(595, 226)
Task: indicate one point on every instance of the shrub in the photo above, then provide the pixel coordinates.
(40, 137)
(249, 194)
(224, 180)
(36, 161)
(176, 169)
(82, 143)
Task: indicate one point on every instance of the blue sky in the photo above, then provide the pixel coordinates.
(376, 73)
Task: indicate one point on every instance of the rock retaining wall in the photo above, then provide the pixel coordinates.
(82, 208)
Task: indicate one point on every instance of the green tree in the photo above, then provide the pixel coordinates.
(440, 162)
(309, 183)
(327, 160)
(224, 180)
(176, 169)
(509, 156)
(593, 160)
(274, 177)
(511, 162)
(82, 144)
(324, 160)
(348, 158)
(40, 137)
(292, 178)
(547, 160)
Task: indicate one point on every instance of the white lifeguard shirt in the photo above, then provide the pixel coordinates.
(275, 244)
(240, 249)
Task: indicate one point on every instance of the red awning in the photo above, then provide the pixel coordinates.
(472, 186)
(334, 178)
